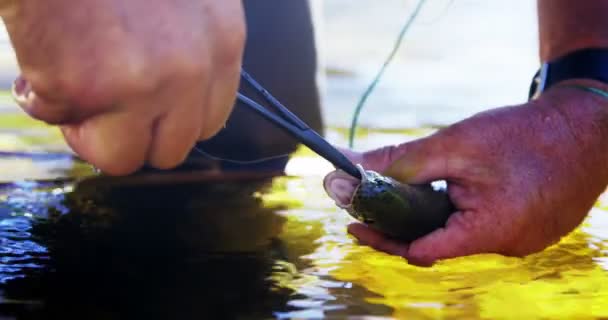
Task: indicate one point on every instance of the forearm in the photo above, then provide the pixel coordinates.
(567, 25)
(7, 8)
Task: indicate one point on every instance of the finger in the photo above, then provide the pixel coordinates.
(354, 156)
(116, 143)
(376, 160)
(421, 161)
(370, 237)
(48, 107)
(226, 62)
(36, 106)
(175, 134)
(221, 100)
(465, 234)
(418, 161)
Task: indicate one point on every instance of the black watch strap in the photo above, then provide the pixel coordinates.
(589, 63)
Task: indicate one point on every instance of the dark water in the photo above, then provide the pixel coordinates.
(181, 251)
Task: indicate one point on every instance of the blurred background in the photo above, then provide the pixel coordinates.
(458, 58)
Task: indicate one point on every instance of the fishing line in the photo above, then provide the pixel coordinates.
(258, 160)
(378, 77)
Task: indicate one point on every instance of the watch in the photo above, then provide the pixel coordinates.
(590, 63)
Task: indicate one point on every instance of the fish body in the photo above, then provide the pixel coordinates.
(401, 211)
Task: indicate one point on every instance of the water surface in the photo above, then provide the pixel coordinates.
(258, 249)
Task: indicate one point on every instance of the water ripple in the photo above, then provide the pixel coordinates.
(311, 269)
(19, 252)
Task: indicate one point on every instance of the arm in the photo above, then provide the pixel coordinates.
(566, 25)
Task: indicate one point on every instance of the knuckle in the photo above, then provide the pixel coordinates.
(230, 28)
(380, 159)
(182, 65)
(74, 89)
(129, 74)
(231, 48)
(190, 66)
(106, 80)
(230, 43)
(135, 74)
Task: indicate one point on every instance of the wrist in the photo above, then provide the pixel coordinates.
(583, 110)
(589, 63)
(586, 93)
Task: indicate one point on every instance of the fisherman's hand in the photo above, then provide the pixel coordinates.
(130, 82)
(521, 177)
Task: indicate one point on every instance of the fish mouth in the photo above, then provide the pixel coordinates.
(342, 187)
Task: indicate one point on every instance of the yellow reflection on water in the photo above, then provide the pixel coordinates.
(567, 280)
(562, 282)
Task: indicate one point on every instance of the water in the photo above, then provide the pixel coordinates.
(95, 250)
(278, 249)
(260, 249)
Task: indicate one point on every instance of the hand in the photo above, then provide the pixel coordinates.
(130, 82)
(521, 177)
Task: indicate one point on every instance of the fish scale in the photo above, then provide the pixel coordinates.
(401, 211)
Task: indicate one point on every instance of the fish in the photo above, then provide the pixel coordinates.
(401, 211)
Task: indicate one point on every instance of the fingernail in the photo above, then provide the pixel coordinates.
(19, 85)
(21, 92)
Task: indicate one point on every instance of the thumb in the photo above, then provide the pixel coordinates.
(45, 104)
(376, 160)
(47, 110)
(420, 161)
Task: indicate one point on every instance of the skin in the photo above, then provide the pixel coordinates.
(124, 81)
(520, 176)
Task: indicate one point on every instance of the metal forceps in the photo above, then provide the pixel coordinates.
(295, 127)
